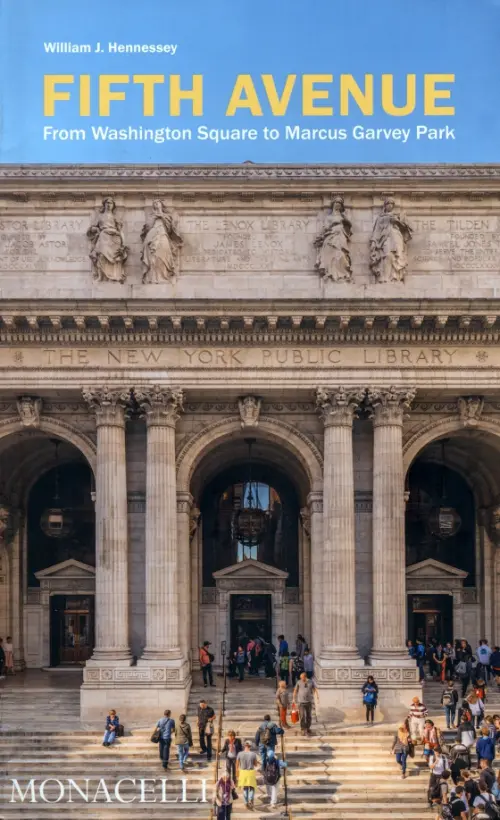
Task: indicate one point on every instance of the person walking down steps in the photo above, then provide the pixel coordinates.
(370, 696)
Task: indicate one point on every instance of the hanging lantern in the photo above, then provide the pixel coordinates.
(251, 519)
(55, 521)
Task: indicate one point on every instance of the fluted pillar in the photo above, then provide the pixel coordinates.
(315, 514)
(111, 609)
(389, 558)
(161, 408)
(187, 525)
(337, 408)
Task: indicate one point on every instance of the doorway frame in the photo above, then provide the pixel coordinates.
(431, 577)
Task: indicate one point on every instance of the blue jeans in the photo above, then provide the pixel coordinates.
(449, 713)
(109, 737)
(421, 670)
(263, 753)
(401, 759)
(183, 753)
(248, 794)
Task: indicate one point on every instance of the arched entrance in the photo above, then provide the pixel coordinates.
(266, 585)
(452, 486)
(48, 548)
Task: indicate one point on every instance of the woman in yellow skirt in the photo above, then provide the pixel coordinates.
(247, 780)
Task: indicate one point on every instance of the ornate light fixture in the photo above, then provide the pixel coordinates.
(251, 519)
(55, 521)
(444, 521)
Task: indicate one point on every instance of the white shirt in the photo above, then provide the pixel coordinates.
(483, 653)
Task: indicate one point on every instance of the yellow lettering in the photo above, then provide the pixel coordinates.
(363, 99)
(431, 94)
(105, 93)
(148, 82)
(244, 86)
(279, 105)
(50, 95)
(84, 95)
(195, 94)
(388, 96)
(310, 94)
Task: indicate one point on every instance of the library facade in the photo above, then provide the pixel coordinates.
(240, 401)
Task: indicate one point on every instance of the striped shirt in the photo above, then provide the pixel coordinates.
(418, 710)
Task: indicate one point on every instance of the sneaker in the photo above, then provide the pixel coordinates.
(205, 685)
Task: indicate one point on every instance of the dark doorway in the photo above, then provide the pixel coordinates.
(430, 617)
(250, 618)
(71, 629)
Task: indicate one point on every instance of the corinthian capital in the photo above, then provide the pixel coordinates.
(109, 405)
(339, 405)
(388, 404)
(29, 410)
(160, 405)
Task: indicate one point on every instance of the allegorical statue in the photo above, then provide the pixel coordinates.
(390, 236)
(161, 245)
(333, 260)
(108, 252)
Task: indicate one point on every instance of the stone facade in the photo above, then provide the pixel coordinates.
(343, 379)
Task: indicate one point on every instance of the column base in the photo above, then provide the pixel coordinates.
(105, 657)
(140, 694)
(388, 657)
(335, 657)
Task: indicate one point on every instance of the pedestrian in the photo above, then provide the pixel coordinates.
(224, 796)
(308, 663)
(466, 734)
(110, 729)
(440, 794)
(420, 658)
(303, 695)
(300, 646)
(183, 740)
(417, 715)
(206, 718)
(282, 645)
(480, 689)
(477, 709)
(269, 657)
(2, 659)
(370, 697)
(449, 652)
(266, 737)
(282, 703)
(484, 797)
(431, 739)
(449, 700)
(271, 776)
(296, 668)
(166, 725)
(495, 664)
(458, 804)
(231, 749)
(487, 773)
(241, 659)
(284, 665)
(463, 670)
(485, 746)
(430, 658)
(439, 659)
(206, 660)
(9, 656)
(412, 650)
(401, 748)
(483, 655)
(460, 761)
(246, 762)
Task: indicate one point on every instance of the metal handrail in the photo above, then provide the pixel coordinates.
(286, 809)
(213, 810)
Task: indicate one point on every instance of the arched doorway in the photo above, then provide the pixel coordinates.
(451, 486)
(264, 586)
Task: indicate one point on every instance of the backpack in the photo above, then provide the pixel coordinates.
(284, 662)
(369, 698)
(448, 699)
(266, 735)
(298, 665)
(446, 812)
(272, 772)
(461, 668)
(490, 809)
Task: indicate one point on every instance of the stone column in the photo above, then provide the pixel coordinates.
(111, 616)
(187, 515)
(337, 408)
(389, 556)
(161, 408)
(315, 505)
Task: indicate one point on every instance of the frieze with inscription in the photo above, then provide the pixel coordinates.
(37, 243)
(456, 243)
(235, 358)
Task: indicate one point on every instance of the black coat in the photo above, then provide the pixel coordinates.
(237, 745)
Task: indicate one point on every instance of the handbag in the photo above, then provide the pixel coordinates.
(234, 794)
(209, 729)
(294, 714)
(155, 737)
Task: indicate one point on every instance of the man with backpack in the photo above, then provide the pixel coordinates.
(456, 807)
(449, 700)
(485, 804)
(266, 738)
(272, 774)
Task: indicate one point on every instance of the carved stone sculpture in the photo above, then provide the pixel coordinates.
(5, 520)
(29, 410)
(108, 252)
(333, 258)
(194, 521)
(305, 520)
(249, 407)
(388, 252)
(494, 524)
(470, 409)
(161, 245)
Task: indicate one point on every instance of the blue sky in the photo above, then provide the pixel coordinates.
(224, 39)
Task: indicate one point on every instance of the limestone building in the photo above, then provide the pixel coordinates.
(247, 400)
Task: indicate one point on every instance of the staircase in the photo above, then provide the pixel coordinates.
(343, 771)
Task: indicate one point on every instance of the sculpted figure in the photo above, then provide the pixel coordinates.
(249, 407)
(495, 524)
(29, 410)
(333, 260)
(108, 252)
(390, 236)
(161, 246)
(4, 519)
